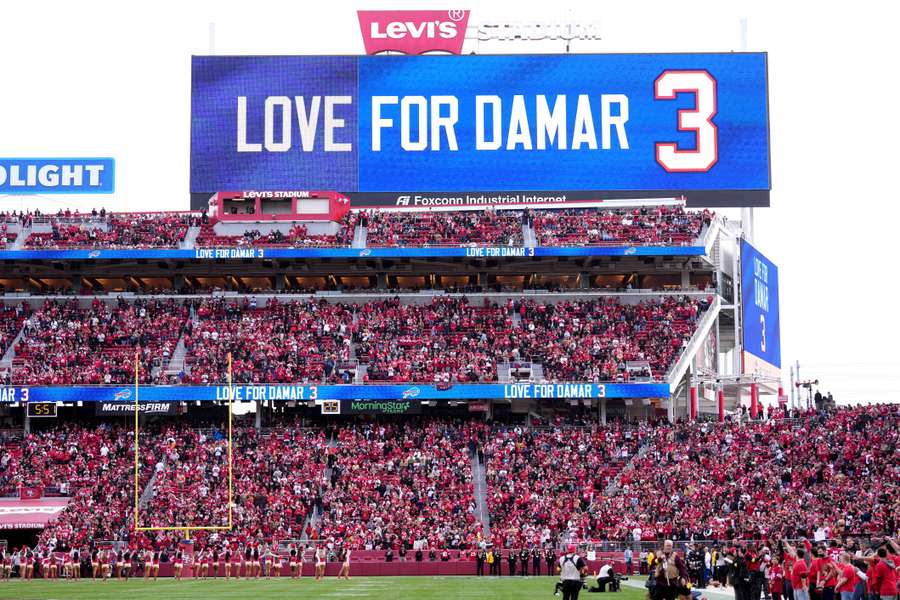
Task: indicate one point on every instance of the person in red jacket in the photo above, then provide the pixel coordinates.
(885, 575)
(800, 577)
(776, 579)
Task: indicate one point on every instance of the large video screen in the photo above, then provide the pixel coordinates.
(627, 122)
(759, 307)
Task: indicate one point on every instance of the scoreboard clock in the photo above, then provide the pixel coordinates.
(331, 407)
(42, 409)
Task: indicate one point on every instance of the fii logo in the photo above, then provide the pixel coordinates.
(413, 31)
(57, 175)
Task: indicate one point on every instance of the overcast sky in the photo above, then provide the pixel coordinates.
(113, 79)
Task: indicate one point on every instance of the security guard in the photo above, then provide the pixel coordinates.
(480, 558)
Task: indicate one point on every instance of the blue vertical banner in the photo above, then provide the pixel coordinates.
(625, 122)
(761, 323)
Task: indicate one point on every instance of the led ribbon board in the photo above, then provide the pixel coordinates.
(626, 122)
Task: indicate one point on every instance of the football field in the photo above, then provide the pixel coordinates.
(376, 588)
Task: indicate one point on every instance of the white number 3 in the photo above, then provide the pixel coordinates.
(762, 325)
(698, 119)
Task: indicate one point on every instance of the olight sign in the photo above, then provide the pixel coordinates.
(57, 175)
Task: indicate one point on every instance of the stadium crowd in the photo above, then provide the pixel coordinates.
(380, 485)
(594, 340)
(542, 482)
(752, 480)
(650, 225)
(460, 228)
(64, 344)
(422, 471)
(448, 340)
(122, 230)
(298, 341)
(297, 237)
(657, 225)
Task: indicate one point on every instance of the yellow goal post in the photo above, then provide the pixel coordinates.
(137, 494)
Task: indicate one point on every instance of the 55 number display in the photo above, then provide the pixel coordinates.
(41, 409)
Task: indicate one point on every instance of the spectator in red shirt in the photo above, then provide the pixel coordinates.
(885, 575)
(847, 579)
(800, 577)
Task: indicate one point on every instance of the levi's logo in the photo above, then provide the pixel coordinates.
(413, 31)
(398, 30)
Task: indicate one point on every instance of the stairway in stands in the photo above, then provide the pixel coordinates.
(190, 238)
(613, 485)
(147, 494)
(479, 482)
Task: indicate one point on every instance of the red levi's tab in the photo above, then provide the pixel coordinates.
(413, 31)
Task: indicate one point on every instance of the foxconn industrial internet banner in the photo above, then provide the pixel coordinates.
(458, 123)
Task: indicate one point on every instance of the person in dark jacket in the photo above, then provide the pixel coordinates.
(480, 558)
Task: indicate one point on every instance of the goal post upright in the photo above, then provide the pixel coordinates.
(137, 498)
(186, 529)
(230, 442)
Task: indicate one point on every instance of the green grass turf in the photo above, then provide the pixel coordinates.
(375, 588)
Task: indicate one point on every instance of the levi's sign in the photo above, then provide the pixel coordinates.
(488, 123)
(413, 31)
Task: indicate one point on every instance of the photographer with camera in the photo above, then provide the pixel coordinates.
(606, 576)
(572, 569)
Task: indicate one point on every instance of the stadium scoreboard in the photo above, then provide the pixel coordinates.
(601, 122)
(761, 321)
(41, 409)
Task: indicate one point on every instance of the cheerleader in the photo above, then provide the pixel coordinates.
(275, 559)
(202, 565)
(320, 562)
(74, 558)
(127, 557)
(255, 565)
(178, 565)
(95, 563)
(236, 562)
(48, 572)
(214, 562)
(345, 564)
(3, 559)
(66, 563)
(157, 558)
(148, 563)
(108, 561)
(227, 562)
(248, 561)
(294, 562)
(28, 560)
